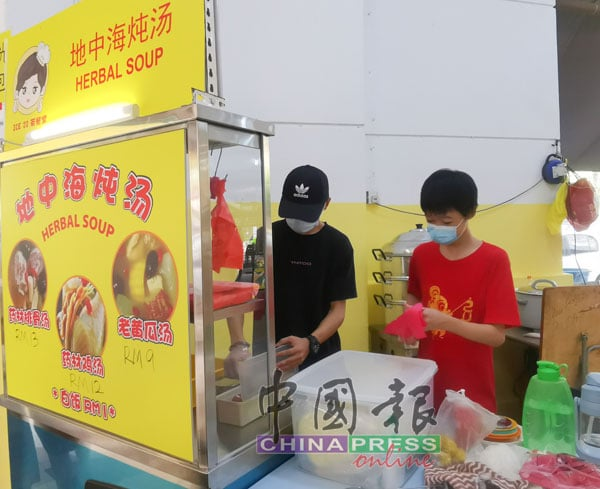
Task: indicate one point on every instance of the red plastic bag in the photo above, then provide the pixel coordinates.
(581, 204)
(227, 246)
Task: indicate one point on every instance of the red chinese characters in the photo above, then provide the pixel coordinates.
(126, 34)
(78, 53)
(150, 331)
(74, 185)
(24, 207)
(28, 317)
(139, 199)
(83, 363)
(76, 402)
(47, 189)
(71, 400)
(105, 183)
(117, 37)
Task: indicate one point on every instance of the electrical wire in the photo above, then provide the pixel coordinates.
(400, 210)
(512, 198)
(504, 202)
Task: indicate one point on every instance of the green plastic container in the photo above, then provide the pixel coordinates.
(549, 423)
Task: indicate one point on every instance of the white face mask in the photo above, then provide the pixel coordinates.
(301, 227)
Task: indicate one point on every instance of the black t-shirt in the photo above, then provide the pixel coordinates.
(310, 272)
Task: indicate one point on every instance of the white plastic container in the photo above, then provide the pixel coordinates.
(359, 382)
(237, 412)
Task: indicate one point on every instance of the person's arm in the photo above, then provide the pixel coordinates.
(487, 334)
(235, 325)
(299, 347)
(239, 349)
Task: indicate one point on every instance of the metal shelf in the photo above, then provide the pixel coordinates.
(225, 312)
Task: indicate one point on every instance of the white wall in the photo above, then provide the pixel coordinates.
(379, 93)
(3, 24)
(394, 89)
(22, 14)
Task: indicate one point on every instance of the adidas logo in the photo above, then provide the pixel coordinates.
(301, 191)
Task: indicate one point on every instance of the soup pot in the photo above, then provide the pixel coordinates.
(395, 256)
(394, 285)
(529, 300)
(395, 261)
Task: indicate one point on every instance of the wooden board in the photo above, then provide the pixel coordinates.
(567, 313)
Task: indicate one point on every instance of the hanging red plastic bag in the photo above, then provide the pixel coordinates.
(227, 246)
(581, 204)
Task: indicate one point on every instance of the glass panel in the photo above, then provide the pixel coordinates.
(43, 459)
(240, 328)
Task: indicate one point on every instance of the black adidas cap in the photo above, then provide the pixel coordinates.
(305, 191)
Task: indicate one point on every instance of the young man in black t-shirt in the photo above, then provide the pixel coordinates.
(313, 266)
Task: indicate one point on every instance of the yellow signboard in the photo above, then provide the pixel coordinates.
(96, 53)
(95, 294)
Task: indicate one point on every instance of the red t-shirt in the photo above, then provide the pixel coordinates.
(478, 288)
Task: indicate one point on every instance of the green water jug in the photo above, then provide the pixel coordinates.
(549, 423)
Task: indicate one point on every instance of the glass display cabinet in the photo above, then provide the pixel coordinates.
(132, 257)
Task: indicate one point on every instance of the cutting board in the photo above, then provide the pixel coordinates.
(567, 313)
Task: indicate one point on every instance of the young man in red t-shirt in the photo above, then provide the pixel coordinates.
(466, 288)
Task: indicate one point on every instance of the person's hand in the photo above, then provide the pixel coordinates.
(296, 353)
(238, 352)
(434, 319)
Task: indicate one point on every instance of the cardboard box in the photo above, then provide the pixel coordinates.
(360, 393)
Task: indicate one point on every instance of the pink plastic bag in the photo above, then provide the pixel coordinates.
(562, 471)
(408, 325)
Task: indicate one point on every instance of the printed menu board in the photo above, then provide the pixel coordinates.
(94, 268)
(96, 53)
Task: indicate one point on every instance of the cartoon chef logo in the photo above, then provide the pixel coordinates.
(31, 79)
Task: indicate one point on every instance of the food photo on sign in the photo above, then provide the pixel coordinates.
(81, 317)
(27, 280)
(145, 278)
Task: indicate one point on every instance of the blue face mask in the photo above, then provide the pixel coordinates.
(443, 234)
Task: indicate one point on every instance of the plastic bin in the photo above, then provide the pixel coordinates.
(580, 275)
(360, 393)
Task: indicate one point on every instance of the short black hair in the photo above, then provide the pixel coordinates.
(447, 189)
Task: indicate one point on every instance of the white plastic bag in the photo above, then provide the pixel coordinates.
(462, 424)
